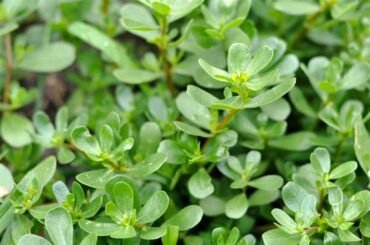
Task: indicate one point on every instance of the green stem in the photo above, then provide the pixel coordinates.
(321, 200)
(221, 125)
(163, 53)
(311, 229)
(339, 149)
(310, 19)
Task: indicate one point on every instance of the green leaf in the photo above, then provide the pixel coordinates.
(347, 236)
(357, 76)
(180, 9)
(210, 18)
(154, 208)
(123, 196)
(364, 196)
(199, 95)
(278, 110)
(267, 182)
(92, 207)
(320, 160)
(237, 206)
(186, 218)
(65, 155)
(59, 226)
(293, 195)
(51, 58)
(158, 108)
(260, 60)
(212, 206)
(284, 219)
(43, 125)
(298, 141)
(150, 137)
(30, 239)
(191, 130)
(238, 58)
(173, 151)
(97, 228)
(17, 10)
(331, 239)
(19, 226)
(185, 34)
(95, 178)
(272, 94)
(148, 166)
(39, 212)
(60, 191)
(279, 237)
(296, 7)
(101, 41)
(144, 27)
(82, 138)
(6, 181)
(362, 141)
(342, 10)
(43, 172)
(307, 210)
(288, 65)
(200, 184)
(136, 76)
(335, 198)
(193, 111)
(300, 102)
(343, 170)
(353, 210)
(120, 150)
(8, 27)
(171, 236)
(153, 233)
(161, 8)
(61, 119)
(365, 225)
(106, 138)
(16, 134)
(90, 239)
(262, 197)
(124, 232)
(214, 72)
(260, 82)
(232, 103)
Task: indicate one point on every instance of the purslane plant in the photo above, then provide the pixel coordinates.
(224, 122)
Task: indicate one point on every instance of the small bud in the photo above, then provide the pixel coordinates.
(234, 76)
(244, 76)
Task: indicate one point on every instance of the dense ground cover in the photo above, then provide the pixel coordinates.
(226, 122)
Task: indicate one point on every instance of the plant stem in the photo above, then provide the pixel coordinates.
(9, 67)
(306, 28)
(321, 200)
(221, 125)
(230, 115)
(339, 149)
(163, 53)
(311, 229)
